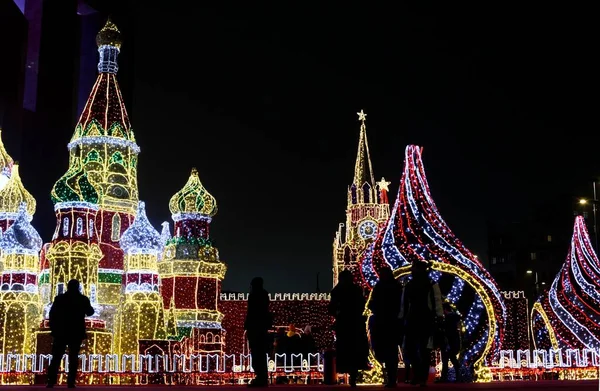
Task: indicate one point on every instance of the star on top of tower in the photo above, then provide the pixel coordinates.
(383, 184)
(362, 116)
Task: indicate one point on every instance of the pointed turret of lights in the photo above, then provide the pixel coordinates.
(12, 195)
(567, 316)
(366, 210)
(141, 237)
(416, 231)
(108, 145)
(21, 237)
(363, 170)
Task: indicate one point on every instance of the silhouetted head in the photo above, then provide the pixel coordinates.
(73, 286)
(346, 278)
(386, 274)
(257, 283)
(420, 269)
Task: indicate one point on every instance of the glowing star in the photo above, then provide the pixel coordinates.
(383, 184)
(362, 116)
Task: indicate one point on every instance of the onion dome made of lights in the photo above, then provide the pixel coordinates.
(6, 161)
(141, 236)
(193, 199)
(109, 35)
(14, 193)
(74, 186)
(21, 237)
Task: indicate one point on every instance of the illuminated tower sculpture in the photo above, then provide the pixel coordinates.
(103, 153)
(367, 209)
(417, 232)
(140, 314)
(74, 253)
(191, 272)
(20, 305)
(567, 316)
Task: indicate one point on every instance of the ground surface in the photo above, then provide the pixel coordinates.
(525, 385)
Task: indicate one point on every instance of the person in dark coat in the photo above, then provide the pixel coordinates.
(452, 345)
(308, 342)
(385, 307)
(347, 305)
(421, 309)
(257, 325)
(67, 327)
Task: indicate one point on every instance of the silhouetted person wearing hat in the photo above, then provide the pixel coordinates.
(257, 325)
(67, 326)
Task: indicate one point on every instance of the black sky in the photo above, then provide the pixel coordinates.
(262, 100)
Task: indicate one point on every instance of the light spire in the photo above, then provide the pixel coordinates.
(109, 43)
(363, 170)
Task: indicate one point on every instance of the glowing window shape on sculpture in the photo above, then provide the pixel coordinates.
(79, 228)
(93, 295)
(60, 288)
(91, 228)
(66, 226)
(116, 227)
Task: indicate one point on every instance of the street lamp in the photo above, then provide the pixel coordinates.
(594, 202)
(536, 280)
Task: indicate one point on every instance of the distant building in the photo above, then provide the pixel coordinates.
(533, 248)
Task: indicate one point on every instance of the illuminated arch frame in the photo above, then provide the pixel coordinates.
(478, 288)
(537, 307)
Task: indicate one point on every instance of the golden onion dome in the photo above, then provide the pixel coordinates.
(14, 193)
(109, 35)
(6, 163)
(193, 198)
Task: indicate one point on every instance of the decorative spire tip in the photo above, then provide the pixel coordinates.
(362, 116)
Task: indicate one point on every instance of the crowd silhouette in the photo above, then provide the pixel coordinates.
(413, 317)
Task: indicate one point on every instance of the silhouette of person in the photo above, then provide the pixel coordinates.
(67, 327)
(421, 306)
(257, 325)
(452, 345)
(347, 305)
(385, 307)
(308, 342)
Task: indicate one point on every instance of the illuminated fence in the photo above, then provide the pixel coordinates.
(547, 359)
(163, 364)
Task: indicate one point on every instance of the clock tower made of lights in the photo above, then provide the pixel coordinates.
(367, 209)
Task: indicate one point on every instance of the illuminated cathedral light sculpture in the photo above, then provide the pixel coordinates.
(567, 316)
(20, 305)
(104, 144)
(416, 231)
(367, 208)
(140, 314)
(191, 271)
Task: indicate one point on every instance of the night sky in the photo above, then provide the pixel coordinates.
(263, 101)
